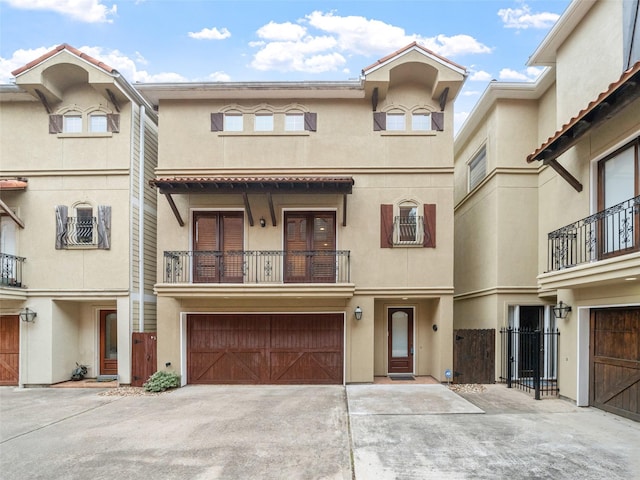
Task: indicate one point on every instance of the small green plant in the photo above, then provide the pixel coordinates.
(161, 381)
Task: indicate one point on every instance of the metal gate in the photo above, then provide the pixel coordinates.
(530, 360)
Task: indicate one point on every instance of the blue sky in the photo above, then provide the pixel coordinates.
(291, 40)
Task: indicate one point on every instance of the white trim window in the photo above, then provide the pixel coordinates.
(98, 122)
(233, 122)
(72, 123)
(478, 168)
(396, 121)
(294, 122)
(420, 121)
(263, 122)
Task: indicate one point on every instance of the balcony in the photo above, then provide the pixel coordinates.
(257, 267)
(11, 270)
(607, 234)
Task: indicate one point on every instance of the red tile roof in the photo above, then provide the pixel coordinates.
(409, 47)
(59, 48)
(13, 184)
(225, 184)
(582, 113)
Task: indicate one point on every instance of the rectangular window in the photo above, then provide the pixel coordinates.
(420, 122)
(294, 122)
(98, 123)
(263, 122)
(395, 121)
(233, 122)
(72, 124)
(84, 226)
(478, 169)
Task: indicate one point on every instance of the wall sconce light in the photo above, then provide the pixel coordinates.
(263, 222)
(358, 313)
(435, 327)
(561, 310)
(28, 315)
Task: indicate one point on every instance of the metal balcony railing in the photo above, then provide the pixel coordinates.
(82, 232)
(257, 266)
(11, 270)
(609, 233)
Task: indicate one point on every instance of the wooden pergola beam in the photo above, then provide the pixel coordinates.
(13, 216)
(174, 208)
(564, 173)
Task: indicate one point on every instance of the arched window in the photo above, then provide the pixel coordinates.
(72, 122)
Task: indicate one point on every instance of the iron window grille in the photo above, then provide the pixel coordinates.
(408, 230)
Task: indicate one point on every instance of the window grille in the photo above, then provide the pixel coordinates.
(408, 230)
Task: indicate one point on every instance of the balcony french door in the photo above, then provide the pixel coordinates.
(218, 242)
(310, 244)
(618, 181)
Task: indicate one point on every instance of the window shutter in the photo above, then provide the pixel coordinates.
(113, 122)
(386, 226)
(217, 122)
(310, 121)
(379, 121)
(55, 123)
(104, 227)
(61, 226)
(437, 121)
(429, 226)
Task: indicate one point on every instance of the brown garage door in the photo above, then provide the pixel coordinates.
(9, 349)
(265, 349)
(615, 361)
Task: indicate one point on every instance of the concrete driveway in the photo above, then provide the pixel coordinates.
(361, 432)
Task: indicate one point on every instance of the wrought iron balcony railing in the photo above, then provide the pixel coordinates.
(11, 270)
(257, 266)
(609, 233)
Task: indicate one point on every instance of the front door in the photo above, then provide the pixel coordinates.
(108, 342)
(400, 335)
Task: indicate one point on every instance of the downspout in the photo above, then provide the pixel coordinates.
(141, 184)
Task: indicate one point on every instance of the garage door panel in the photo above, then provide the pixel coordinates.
(615, 360)
(306, 367)
(262, 348)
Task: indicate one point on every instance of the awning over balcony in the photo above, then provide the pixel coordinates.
(12, 184)
(253, 185)
(619, 95)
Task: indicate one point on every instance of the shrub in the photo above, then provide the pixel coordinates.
(161, 381)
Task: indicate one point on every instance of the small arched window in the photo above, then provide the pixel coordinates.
(72, 122)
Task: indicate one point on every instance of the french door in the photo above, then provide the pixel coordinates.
(618, 184)
(310, 247)
(218, 243)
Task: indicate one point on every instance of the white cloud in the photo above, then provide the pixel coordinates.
(128, 67)
(211, 34)
(528, 75)
(219, 77)
(90, 11)
(470, 93)
(480, 76)
(320, 42)
(282, 32)
(522, 18)
(458, 120)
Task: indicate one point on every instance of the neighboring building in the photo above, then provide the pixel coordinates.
(78, 146)
(570, 226)
(291, 206)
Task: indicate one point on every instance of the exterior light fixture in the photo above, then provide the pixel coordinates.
(561, 310)
(28, 315)
(358, 313)
(263, 222)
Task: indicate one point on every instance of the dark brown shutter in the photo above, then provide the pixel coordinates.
(217, 122)
(379, 121)
(386, 226)
(113, 122)
(437, 121)
(55, 123)
(232, 239)
(310, 121)
(205, 233)
(429, 225)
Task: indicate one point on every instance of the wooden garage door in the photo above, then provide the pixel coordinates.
(265, 349)
(9, 349)
(615, 361)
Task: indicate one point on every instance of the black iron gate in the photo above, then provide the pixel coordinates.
(530, 360)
